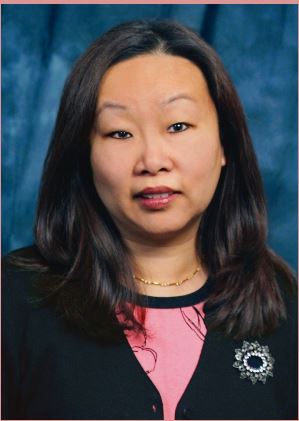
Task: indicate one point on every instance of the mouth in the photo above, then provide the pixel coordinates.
(156, 197)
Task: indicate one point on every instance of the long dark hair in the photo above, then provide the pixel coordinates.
(85, 263)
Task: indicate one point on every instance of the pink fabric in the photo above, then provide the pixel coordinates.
(171, 351)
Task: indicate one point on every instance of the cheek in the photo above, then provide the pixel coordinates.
(203, 167)
(103, 174)
(109, 173)
(202, 158)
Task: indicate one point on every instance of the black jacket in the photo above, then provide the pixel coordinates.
(52, 372)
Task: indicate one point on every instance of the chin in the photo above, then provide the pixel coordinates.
(167, 231)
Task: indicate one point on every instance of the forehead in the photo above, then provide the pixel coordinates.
(152, 77)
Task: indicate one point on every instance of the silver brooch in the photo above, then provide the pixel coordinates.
(254, 362)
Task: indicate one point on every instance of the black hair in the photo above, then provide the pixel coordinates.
(85, 263)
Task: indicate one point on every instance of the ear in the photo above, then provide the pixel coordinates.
(223, 159)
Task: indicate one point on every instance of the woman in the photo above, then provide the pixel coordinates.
(150, 292)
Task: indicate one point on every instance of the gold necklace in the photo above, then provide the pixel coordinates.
(166, 284)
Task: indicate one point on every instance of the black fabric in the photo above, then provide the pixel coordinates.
(174, 302)
(51, 372)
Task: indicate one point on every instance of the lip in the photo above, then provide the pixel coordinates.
(155, 190)
(164, 196)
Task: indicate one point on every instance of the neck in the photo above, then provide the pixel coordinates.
(167, 262)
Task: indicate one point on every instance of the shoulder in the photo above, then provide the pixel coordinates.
(18, 278)
(27, 253)
(283, 340)
(25, 311)
(16, 266)
(289, 293)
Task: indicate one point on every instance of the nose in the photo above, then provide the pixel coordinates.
(154, 156)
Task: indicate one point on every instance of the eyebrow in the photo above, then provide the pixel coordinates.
(117, 106)
(176, 97)
(111, 105)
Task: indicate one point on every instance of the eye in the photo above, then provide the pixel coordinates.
(120, 134)
(178, 127)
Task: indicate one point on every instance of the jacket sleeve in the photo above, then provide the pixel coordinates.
(13, 322)
(292, 317)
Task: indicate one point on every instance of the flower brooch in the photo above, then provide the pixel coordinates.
(254, 362)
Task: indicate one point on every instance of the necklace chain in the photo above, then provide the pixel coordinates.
(166, 284)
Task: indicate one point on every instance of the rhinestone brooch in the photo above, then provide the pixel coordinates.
(254, 362)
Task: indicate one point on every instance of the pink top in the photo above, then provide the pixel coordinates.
(170, 351)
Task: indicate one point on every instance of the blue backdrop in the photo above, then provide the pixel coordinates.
(257, 43)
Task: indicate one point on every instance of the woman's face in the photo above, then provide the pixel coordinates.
(156, 154)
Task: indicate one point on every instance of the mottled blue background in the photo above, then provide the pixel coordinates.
(257, 43)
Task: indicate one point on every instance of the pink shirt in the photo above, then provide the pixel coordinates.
(170, 351)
